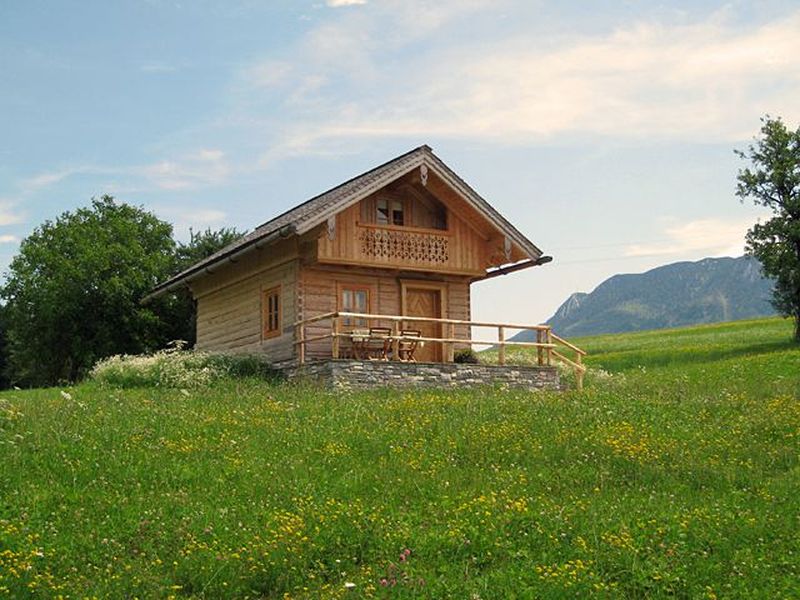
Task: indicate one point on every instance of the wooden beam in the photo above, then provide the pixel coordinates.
(501, 337)
(335, 335)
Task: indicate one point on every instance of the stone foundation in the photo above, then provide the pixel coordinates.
(364, 374)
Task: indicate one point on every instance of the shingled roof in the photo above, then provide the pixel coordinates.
(315, 211)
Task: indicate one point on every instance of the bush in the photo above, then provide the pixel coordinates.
(465, 356)
(243, 365)
(176, 368)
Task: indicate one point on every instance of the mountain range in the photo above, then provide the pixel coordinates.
(684, 293)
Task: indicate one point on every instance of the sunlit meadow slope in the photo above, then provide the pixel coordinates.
(675, 473)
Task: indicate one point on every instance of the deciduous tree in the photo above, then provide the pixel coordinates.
(73, 291)
(773, 180)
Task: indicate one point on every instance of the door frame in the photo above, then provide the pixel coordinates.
(445, 350)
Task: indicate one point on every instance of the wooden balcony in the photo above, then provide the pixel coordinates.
(413, 248)
(404, 245)
(550, 347)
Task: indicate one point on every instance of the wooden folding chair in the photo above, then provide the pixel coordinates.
(406, 348)
(380, 342)
(359, 343)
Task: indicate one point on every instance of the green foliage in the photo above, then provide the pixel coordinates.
(175, 368)
(203, 244)
(3, 348)
(774, 182)
(244, 366)
(466, 356)
(674, 474)
(73, 293)
(73, 290)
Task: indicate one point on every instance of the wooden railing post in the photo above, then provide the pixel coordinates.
(539, 353)
(451, 346)
(579, 372)
(335, 337)
(501, 337)
(396, 328)
(549, 339)
(301, 346)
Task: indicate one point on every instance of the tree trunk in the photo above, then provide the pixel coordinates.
(797, 328)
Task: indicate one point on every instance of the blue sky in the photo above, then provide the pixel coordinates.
(605, 130)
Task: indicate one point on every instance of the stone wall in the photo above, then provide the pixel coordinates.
(358, 374)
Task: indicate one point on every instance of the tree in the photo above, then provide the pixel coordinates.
(203, 244)
(3, 349)
(73, 291)
(773, 181)
(178, 310)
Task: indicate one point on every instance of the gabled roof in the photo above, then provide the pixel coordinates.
(316, 211)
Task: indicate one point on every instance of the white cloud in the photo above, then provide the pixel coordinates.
(157, 67)
(267, 73)
(708, 81)
(208, 155)
(185, 217)
(8, 239)
(193, 170)
(208, 216)
(194, 215)
(48, 178)
(709, 237)
(9, 215)
(340, 3)
(203, 168)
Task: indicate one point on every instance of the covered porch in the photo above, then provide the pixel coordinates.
(402, 339)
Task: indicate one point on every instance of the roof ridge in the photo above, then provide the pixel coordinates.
(423, 147)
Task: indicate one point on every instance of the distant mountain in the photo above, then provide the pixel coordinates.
(684, 293)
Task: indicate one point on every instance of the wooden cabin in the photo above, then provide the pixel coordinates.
(405, 239)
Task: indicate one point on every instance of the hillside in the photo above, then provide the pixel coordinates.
(686, 293)
(674, 474)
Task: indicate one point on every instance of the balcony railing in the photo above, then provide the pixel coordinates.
(404, 245)
(549, 346)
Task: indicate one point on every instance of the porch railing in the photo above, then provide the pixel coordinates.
(549, 346)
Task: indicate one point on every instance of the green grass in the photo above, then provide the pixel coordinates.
(674, 474)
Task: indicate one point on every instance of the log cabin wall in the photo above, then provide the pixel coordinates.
(229, 303)
(319, 289)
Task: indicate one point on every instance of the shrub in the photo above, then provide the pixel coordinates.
(176, 368)
(465, 356)
(243, 365)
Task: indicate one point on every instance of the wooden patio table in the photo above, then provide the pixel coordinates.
(376, 344)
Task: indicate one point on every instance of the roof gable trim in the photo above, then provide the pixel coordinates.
(431, 162)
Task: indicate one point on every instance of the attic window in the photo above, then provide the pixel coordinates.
(389, 212)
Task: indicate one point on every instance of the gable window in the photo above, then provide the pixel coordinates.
(271, 312)
(354, 299)
(389, 212)
(397, 213)
(382, 211)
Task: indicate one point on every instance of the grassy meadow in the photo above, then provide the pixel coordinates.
(675, 473)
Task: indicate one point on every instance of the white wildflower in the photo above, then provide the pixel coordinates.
(66, 395)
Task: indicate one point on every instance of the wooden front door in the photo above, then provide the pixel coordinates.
(424, 302)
